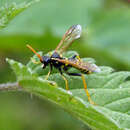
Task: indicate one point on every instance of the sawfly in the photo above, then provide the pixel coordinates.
(56, 60)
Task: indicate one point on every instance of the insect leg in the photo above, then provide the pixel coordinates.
(66, 81)
(49, 72)
(75, 56)
(84, 83)
(73, 74)
(86, 90)
(78, 57)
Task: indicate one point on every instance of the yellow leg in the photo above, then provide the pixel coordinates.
(48, 75)
(86, 90)
(34, 61)
(66, 82)
(78, 57)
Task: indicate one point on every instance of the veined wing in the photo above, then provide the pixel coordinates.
(71, 34)
(84, 66)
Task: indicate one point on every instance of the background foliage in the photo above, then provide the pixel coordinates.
(105, 37)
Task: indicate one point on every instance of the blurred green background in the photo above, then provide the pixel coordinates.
(105, 37)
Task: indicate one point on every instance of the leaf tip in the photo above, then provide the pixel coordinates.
(10, 61)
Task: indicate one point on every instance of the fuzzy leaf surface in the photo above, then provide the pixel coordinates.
(108, 89)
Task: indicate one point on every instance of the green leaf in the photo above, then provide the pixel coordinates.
(108, 89)
(10, 9)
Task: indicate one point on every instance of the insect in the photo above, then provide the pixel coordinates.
(63, 64)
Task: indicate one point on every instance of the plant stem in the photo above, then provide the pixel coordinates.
(10, 86)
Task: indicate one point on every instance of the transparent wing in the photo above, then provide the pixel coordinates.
(71, 34)
(84, 66)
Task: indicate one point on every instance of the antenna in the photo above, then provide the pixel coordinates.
(38, 55)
